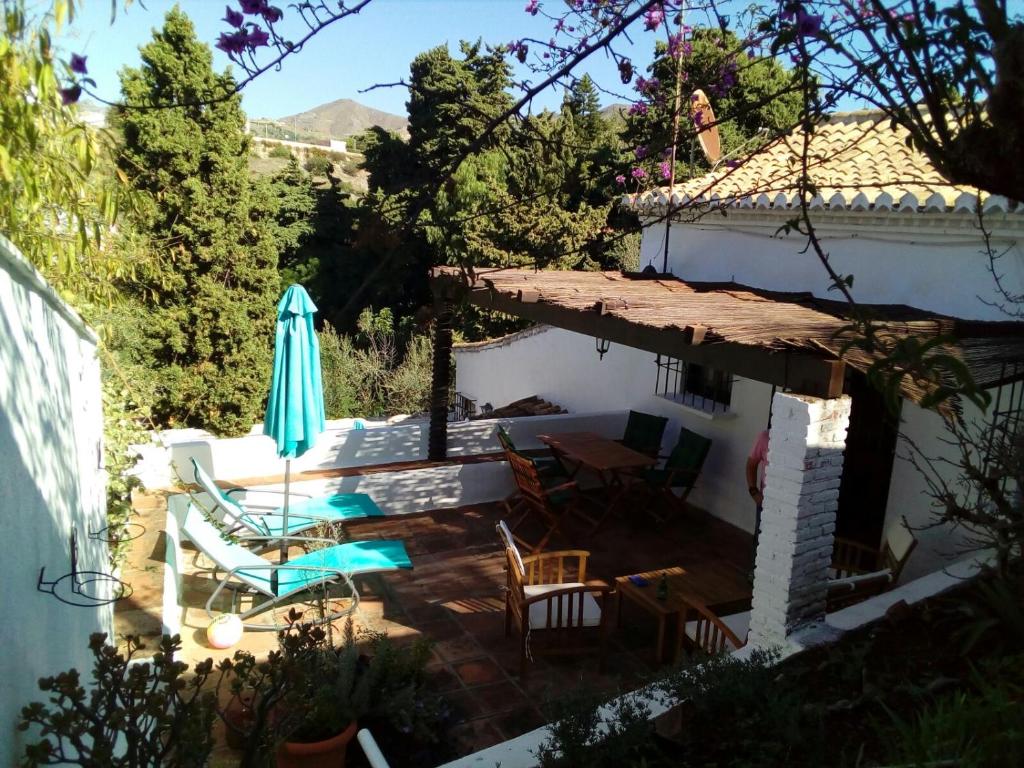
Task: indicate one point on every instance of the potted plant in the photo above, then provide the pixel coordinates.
(304, 702)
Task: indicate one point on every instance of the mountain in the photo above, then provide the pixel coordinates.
(344, 117)
(615, 114)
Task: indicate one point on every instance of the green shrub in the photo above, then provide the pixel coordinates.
(318, 165)
(367, 376)
(280, 150)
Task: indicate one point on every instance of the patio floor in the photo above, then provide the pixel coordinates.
(455, 596)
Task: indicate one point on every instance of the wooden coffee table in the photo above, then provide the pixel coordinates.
(722, 587)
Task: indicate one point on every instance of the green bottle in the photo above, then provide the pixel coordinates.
(662, 593)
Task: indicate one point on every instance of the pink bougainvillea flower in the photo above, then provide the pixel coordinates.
(532, 7)
(638, 108)
(252, 7)
(256, 37)
(271, 14)
(70, 95)
(233, 43)
(653, 17)
(638, 173)
(233, 17)
(807, 24)
(665, 169)
(78, 64)
(620, 179)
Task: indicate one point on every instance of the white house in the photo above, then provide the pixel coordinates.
(708, 345)
(52, 487)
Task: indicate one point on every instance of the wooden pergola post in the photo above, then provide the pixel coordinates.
(437, 445)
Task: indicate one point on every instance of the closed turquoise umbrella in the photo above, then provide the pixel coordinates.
(295, 407)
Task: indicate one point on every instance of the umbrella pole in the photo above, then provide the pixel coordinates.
(287, 497)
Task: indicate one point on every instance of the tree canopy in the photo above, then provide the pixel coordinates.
(212, 288)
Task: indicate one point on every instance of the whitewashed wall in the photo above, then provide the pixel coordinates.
(935, 266)
(564, 367)
(50, 480)
(909, 494)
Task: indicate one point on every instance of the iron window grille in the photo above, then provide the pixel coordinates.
(1004, 428)
(461, 407)
(698, 386)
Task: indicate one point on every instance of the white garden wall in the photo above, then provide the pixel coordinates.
(564, 367)
(343, 447)
(936, 266)
(51, 479)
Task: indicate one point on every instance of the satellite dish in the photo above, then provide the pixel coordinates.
(704, 120)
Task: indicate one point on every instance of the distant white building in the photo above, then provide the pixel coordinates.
(52, 491)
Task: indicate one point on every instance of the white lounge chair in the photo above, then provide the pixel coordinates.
(245, 571)
(252, 523)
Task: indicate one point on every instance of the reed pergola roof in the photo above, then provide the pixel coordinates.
(793, 340)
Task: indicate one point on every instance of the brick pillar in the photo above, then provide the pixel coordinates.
(798, 520)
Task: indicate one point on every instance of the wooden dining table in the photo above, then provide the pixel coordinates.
(608, 459)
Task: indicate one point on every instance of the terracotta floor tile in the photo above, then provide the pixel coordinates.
(458, 649)
(499, 697)
(442, 679)
(478, 672)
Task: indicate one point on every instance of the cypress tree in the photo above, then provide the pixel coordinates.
(212, 288)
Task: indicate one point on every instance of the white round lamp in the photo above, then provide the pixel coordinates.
(224, 631)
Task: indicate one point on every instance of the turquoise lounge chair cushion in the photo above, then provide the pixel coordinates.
(309, 512)
(355, 557)
(301, 514)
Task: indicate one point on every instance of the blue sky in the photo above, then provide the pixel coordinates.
(375, 47)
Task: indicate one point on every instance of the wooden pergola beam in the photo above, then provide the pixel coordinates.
(801, 372)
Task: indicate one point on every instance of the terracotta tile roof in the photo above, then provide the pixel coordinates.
(857, 162)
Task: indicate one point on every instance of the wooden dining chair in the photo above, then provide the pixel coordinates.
(851, 558)
(555, 608)
(550, 502)
(701, 630)
(678, 474)
(644, 432)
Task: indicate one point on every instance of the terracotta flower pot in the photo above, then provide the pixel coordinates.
(329, 753)
(238, 720)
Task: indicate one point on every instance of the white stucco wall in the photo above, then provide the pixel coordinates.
(50, 480)
(564, 367)
(909, 494)
(938, 267)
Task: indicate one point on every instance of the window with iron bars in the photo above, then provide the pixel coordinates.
(697, 386)
(1005, 424)
(460, 407)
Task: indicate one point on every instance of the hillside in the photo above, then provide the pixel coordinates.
(342, 118)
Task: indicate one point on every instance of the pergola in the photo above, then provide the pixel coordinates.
(794, 341)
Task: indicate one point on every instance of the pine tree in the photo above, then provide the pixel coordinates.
(212, 289)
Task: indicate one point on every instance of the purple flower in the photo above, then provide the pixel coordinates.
(654, 17)
(252, 7)
(807, 24)
(78, 64)
(665, 168)
(70, 95)
(698, 118)
(732, 163)
(233, 17)
(532, 7)
(638, 173)
(639, 108)
(640, 152)
(272, 14)
(233, 43)
(256, 37)
(620, 179)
